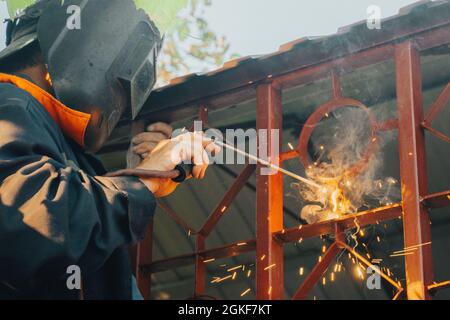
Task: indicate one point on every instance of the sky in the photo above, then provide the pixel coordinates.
(261, 26)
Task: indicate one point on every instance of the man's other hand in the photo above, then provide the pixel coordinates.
(144, 143)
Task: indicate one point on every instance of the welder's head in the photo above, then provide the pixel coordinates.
(100, 54)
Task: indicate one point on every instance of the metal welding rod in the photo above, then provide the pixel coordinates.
(183, 171)
(267, 164)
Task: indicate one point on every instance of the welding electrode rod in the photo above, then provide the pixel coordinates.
(268, 164)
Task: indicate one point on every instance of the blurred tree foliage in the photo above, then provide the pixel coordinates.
(15, 5)
(191, 46)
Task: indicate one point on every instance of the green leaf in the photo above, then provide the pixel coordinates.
(163, 12)
(17, 5)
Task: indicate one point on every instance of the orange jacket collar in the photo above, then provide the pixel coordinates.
(72, 123)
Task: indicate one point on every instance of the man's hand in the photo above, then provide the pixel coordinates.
(144, 143)
(189, 147)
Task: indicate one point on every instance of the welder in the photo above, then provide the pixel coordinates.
(62, 92)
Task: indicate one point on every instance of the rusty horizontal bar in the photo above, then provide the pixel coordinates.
(342, 65)
(433, 38)
(437, 200)
(425, 40)
(230, 250)
(439, 286)
(288, 155)
(346, 222)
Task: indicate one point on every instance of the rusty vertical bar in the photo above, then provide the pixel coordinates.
(203, 115)
(145, 257)
(141, 254)
(339, 233)
(200, 268)
(336, 84)
(269, 208)
(416, 222)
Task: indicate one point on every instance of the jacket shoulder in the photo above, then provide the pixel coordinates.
(12, 95)
(18, 106)
(23, 117)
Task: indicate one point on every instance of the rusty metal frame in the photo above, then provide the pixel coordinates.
(270, 233)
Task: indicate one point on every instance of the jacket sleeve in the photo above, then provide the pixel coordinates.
(52, 215)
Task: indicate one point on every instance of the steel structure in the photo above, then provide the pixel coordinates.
(405, 49)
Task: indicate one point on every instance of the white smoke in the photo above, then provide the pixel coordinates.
(339, 143)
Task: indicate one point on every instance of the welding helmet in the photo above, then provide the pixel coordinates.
(101, 57)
